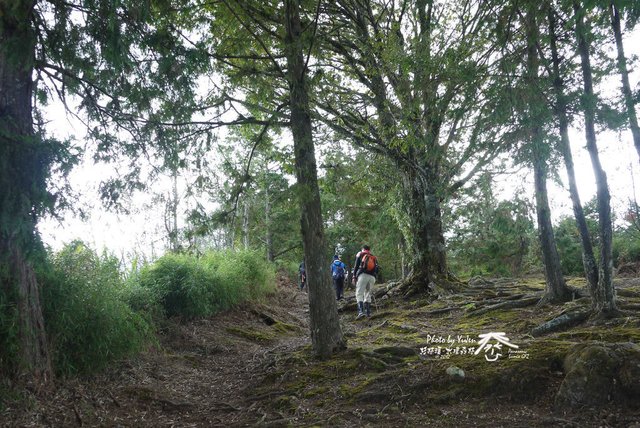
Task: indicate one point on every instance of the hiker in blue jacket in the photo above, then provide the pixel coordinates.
(338, 272)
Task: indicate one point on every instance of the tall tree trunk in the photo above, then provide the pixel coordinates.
(424, 234)
(588, 258)
(268, 240)
(172, 224)
(245, 223)
(229, 232)
(604, 297)
(624, 76)
(23, 170)
(326, 333)
(402, 249)
(556, 288)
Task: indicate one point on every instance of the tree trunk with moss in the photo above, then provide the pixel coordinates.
(424, 235)
(326, 333)
(24, 167)
(604, 296)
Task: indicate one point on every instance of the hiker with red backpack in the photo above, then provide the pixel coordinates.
(364, 276)
(338, 272)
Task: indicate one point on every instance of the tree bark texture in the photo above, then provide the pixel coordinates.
(23, 170)
(424, 233)
(326, 333)
(556, 288)
(624, 76)
(604, 297)
(588, 257)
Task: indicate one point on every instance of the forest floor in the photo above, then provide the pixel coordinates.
(252, 366)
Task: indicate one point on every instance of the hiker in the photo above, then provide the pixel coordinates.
(303, 275)
(364, 276)
(338, 270)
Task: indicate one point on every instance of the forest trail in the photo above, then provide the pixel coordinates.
(252, 366)
(199, 375)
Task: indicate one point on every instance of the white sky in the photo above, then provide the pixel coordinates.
(142, 231)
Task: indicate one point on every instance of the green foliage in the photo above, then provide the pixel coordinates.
(88, 324)
(568, 239)
(190, 287)
(180, 284)
(245, 274)
(94, 316)
(358, 200)
(569, 247)
(490, 236)
(626, 246)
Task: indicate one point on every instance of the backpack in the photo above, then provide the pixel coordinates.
(338, 271)
(368, 263)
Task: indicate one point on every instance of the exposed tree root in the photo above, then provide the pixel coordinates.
(442, 310)
(351, 304)
(627, 293)
(417, 285)
(496, 300)
(570, 295)
(508, 304)
(562, 322)
(630, 306)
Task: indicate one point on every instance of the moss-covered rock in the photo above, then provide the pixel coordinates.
(598, 373)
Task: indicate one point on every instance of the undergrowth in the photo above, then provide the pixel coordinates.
(95, 314)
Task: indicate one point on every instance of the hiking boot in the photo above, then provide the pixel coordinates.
(360, 310)
(367, 308)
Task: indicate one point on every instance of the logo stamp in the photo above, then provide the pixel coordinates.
(492, 345)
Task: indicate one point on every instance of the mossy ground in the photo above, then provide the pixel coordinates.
(362, 385)
(237, 369)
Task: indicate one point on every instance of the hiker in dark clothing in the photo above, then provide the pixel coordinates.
(364, 276)
(338, 272)
(303, 275)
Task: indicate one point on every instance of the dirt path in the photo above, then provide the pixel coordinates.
(200, 375)
(252, 366)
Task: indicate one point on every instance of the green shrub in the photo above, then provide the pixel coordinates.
(289, 267)
(88, 323)
(569, 246)
(626, 246)
(190, 287)
(181, 284)
(246, 273)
